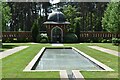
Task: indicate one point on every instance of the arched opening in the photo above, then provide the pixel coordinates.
(56, 34)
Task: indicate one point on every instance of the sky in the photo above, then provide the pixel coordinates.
(54, 1)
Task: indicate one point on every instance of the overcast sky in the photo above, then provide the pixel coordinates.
(54, 1)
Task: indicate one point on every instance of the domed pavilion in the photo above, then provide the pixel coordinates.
(56, 26)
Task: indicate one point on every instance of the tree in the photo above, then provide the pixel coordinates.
(35, 31)
(21, 16)
(77, 29)
(0, 24)
(111, 19)
(6, 16)
(70, 14)
(0, 17)
(45, 6)
(91, 14)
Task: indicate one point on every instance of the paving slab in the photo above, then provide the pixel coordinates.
(11, 51)
(33, 43)
(57, 45)
(63, 75)
(77, 75)
(116, 53)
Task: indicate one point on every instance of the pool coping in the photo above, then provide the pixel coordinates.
(94, 61)
(77, 75)
(33, 61)
(63, 75)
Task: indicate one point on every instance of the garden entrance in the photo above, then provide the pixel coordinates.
(57, 34)
(56, 26)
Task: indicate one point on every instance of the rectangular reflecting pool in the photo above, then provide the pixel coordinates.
(64, 59)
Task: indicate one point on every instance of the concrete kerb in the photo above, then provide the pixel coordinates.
(106, 68)
(116, 53)
(31, 64)
(11, 51)
(63, 74)
(77, 75)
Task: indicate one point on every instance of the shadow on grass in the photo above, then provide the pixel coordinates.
(5, 47)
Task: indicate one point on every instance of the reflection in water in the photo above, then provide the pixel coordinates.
(65, 59)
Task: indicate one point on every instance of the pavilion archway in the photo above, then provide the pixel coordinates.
(57, 34)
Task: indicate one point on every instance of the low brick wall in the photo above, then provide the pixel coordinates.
(18, 36)
(84, 36)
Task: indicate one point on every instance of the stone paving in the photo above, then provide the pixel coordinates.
(57, 44)
(116, 53)
(33, 43)
(11, 51)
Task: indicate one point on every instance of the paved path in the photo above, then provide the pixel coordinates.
(33, 43)
(116, 53)
(57, 45)
(11, 51)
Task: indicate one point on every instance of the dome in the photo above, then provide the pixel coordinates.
(56, 17)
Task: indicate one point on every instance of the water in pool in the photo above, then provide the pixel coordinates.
(64, 59)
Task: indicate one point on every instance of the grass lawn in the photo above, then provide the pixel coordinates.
(106, 45)
(6, 46)
(107, 59)
(14, 65)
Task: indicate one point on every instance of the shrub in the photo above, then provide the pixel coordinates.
(43, 38)
(70, 37)
(16, 40)
(111, 19)
(104, 41)
(7, 40)
(109, 41)
(35, 31)
(115, 41)
(38, 38)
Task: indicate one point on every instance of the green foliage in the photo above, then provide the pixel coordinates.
(35, 31)
(0, 19)
(70, 37)
(70, 14)
(116, 41)
(6, 16)
(96, 40)
(42, 38)
(21, 16)
(104, 40)
(111, 19)
(16, 40)
(77, 30)
(38, 38)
